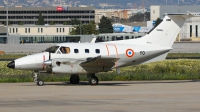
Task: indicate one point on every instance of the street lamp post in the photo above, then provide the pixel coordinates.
(80, 27)
(7, 19)
(144, 17)
(89, 16)
(47, 15)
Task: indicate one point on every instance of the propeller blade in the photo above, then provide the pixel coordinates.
(49, 56)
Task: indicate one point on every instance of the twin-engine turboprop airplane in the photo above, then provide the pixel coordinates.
(91, 58)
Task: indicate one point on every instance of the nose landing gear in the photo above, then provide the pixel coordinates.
(38, 81)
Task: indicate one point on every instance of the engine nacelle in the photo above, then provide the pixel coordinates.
(67, 66)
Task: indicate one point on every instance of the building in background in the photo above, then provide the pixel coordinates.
(3, 38)
(41, 33)
(158, 11)
(31, 30)
(58, 15)
(99, 13)
(117, 13)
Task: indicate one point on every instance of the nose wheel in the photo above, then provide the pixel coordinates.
(38, 81)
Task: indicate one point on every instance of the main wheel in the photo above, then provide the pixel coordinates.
(93, 80)
(40, 83)
(74, 79)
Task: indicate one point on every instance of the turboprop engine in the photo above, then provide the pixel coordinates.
(65, 66)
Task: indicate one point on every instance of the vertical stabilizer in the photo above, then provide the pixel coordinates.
(166, 32)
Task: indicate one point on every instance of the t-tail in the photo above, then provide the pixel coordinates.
(167, 31)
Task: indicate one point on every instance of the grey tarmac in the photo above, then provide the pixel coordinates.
(115, 96)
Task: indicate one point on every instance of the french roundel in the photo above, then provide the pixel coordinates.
(129, 53)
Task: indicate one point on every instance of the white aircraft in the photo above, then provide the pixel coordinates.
(91, 58)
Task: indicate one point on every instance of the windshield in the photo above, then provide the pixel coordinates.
(52, 49)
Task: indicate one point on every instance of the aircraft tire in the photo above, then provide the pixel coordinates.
(40, 83)
(74, 79)
(93, 80)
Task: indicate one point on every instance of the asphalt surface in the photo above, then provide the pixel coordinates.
(190, 47)
(134, 96)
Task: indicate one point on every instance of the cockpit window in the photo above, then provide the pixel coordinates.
(52, 49)
(65, 50)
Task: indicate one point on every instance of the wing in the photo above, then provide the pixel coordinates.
(98, 64)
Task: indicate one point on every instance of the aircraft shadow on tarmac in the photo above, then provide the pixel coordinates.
(116, 83)
(87, 84)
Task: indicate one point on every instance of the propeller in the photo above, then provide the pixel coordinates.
(49, 54)
(48, 63)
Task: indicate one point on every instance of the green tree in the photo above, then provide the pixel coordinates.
(158, 21)
(89, 29)
(105, 25)
(75, 30)
(40, 19)
(140, 17)
(84, 29)
(74, 22)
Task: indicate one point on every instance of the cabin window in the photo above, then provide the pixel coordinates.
(87, 51)
(76, 51)
(97, 51)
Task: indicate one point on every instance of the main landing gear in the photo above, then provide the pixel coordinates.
(38, 81)
(92, 79)
(74, 79)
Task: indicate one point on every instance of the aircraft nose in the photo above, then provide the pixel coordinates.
(11, 64)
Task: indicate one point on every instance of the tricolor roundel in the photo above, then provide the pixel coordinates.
(129, 53)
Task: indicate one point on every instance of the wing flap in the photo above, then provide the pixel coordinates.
(99, 64)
